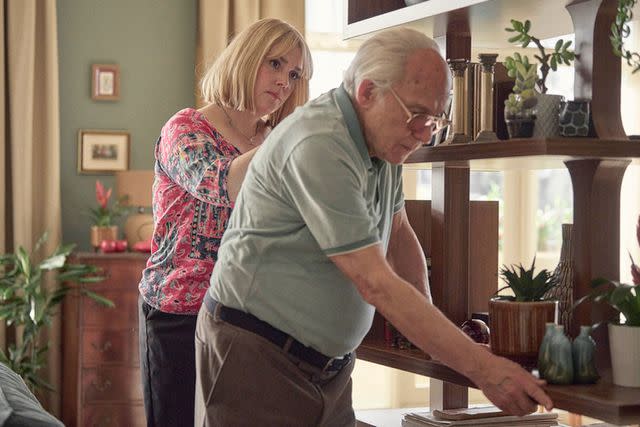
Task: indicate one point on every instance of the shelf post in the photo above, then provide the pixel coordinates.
(596, 238)
(597, 69)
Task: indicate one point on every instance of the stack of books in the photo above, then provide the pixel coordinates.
(480, 416)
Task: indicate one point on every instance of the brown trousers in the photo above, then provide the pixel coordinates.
(243, 379)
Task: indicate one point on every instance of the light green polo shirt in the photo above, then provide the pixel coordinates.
(311, 191)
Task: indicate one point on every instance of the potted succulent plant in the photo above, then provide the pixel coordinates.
(29, 307)
(624, 336)
(548, 107)
(519, 112)
(517, 321)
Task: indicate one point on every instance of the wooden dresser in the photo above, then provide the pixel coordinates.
(101, 375)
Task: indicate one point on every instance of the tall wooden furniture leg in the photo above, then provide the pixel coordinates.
(444, 395)
(449, 246)
(596, 242)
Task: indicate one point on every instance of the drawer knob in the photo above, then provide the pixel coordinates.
(101, 348)
(102, 386)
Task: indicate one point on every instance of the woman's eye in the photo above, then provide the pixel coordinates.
(294, 75)
(275, 64)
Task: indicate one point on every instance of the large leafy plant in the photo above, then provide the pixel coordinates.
(623, 298)
(526, 286)
(27, 306)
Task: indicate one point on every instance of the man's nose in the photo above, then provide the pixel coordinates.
(423, 134)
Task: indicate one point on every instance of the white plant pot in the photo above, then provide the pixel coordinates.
(624, 344)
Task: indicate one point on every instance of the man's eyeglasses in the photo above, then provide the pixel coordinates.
(416, 122)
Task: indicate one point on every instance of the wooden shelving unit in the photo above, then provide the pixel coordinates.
(596, 166)
(605, 401)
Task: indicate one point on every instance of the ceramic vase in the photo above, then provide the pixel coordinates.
(547, 116)
(100, 233)
(574, 118)
(544, 355)
(624, 344)
(583, 350)
(564, 274)
(559, 369)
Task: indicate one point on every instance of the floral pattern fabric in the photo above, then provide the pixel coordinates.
(191, 208)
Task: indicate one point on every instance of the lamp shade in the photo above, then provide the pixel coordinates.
(136, 185)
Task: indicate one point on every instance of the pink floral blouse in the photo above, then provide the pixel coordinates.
(191, 208)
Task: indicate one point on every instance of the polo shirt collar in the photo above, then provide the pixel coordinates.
(353, 124)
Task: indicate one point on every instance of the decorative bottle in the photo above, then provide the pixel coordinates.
(544, 354)
(559, 369)
(584, 363)
(564, 273)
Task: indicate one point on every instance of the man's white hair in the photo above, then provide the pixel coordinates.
(382, 58)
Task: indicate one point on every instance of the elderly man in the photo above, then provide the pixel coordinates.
(319, 239)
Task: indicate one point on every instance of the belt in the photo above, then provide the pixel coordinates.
(286, 342)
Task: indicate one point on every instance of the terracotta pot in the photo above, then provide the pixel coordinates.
(98, 234)
(517, 328)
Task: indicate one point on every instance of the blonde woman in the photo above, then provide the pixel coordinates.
(201, 160)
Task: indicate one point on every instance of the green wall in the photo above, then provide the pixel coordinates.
(153, 42)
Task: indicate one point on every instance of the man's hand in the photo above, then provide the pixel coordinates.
(510, 387)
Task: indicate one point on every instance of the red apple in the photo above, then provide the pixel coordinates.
(108, 246)
(121, 245)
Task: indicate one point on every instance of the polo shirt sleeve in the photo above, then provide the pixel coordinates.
(326, 185)
(398, 202)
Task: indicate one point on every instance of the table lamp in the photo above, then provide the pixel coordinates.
(136, 185)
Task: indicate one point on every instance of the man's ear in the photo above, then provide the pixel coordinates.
(366, 93)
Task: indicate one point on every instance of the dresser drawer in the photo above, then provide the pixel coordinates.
(110, 347)
(111, 384)
(114, 416)
(118, 273)
(123, 315)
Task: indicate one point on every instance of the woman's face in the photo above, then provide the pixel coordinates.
(276, 79)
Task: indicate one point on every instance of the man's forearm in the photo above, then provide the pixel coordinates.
(406, 257)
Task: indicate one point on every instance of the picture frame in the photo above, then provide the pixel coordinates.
(102, 151)
(105, 82)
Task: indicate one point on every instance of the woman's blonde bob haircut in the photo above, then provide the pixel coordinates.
(231, 79)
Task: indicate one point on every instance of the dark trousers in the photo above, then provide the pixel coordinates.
(168, 366)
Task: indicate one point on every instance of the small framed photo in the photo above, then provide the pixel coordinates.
(102, 151)
(105, 82)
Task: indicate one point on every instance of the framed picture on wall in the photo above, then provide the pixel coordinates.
(105, 82)
(102, 151)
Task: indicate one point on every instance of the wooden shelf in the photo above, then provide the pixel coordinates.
(528, 153)
(487, 18)
(604, 401)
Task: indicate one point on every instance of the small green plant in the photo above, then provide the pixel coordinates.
(525, 286)
(27, 306)
(520, 104)
(548, 61)
(620, 30)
